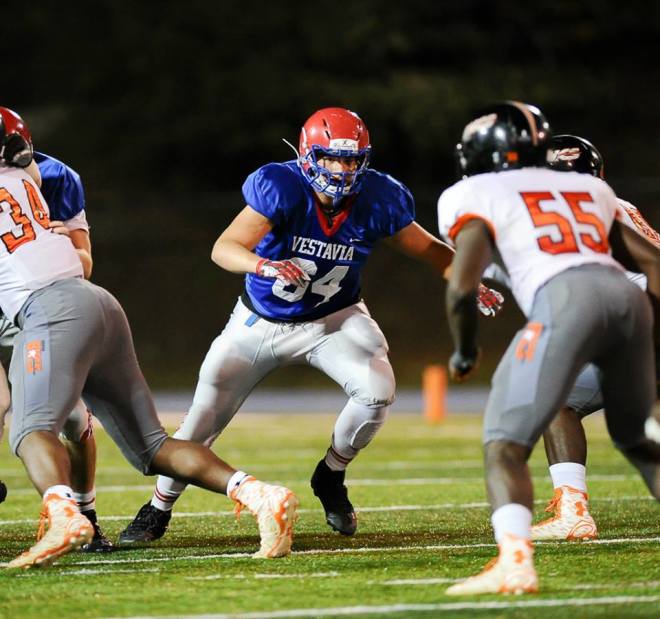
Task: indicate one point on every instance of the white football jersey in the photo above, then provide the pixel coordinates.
(543, 222)
(31, 256)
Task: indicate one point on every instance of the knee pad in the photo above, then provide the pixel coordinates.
(365, 433)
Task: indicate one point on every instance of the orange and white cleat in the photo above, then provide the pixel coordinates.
(68, 530)
(511, 572)
(571, 520)
(274, 507)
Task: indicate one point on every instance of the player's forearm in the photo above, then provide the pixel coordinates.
(86, 261)
(461, 306)
(439, 256)
(234, 257)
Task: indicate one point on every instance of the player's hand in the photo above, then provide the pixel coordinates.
(489, 301)
(462, 366)
(58, 227)
(286, 271)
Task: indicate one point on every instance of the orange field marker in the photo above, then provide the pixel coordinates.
(434, 390)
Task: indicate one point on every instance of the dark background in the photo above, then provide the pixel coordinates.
(164, 108)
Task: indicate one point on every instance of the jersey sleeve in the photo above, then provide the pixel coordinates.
(631, 217)
(457, 206)
(402, 208)
(272, 191)
(64, 194)
(77, 222)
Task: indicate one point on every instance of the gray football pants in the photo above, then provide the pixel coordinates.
(75, 339)
(588, 314)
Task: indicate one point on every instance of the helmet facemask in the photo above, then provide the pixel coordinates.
(335, 184)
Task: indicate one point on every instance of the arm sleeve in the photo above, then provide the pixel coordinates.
(399, 210)
(458, 205)
(66, 196)
(77, 222)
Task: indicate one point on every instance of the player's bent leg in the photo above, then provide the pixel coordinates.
(274, 507)
(226, 377)
(62, 528)
(510, 492)
(646, 458)
(5, 402)
(354, 354)
(356, 426)
(566, 449)
(78, 437)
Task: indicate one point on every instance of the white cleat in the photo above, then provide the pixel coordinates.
(68, 530)
(512, 572)
(275, 510)
(571, 520)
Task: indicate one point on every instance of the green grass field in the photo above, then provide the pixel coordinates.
(423, 523)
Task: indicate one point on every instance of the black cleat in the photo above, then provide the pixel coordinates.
(329, 487)
(149, 524)
(99, 543)
(3, 491)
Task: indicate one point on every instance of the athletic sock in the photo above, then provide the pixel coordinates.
(569, 474)
(335, 461)
(512, 519)
(163, 499)
(235, 481)
(62, 491)
(86, 500)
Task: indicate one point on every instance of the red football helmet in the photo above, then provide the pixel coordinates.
(334, 132)
(15, 139)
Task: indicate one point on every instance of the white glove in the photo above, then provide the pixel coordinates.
(286, 271)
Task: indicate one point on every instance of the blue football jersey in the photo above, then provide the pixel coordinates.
(332, 252)
(61, 187)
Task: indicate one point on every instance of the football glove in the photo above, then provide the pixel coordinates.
(286, 271)
(489, 301)
(461, 366)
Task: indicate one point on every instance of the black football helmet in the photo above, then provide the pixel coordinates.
(570, 153)
(504, 136)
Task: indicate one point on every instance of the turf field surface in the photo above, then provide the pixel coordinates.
(423, 524)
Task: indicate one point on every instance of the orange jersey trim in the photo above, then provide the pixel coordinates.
(463, 219)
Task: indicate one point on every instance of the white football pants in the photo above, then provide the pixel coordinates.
(348, 346)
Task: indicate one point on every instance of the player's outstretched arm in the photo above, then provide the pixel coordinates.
(416, 242)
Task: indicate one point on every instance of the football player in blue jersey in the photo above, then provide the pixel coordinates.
(63, 190)
(302, 240)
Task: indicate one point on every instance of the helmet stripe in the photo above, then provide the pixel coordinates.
(530, 120)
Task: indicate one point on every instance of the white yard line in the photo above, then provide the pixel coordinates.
(410, 481)
(342, 551)
(374, 509)
(409, 608)
(406, 582)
